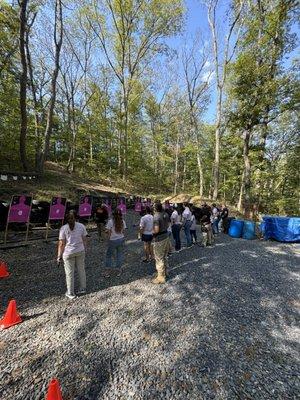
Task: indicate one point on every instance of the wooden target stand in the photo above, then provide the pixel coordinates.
(48, 226)
(27, 223)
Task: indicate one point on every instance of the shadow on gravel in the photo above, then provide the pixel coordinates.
(223, 327)
(219, 329)
(29, 317)
(35, 278)
(244, 345)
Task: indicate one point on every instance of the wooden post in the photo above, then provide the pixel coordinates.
(47, 230)
(6, 231)
(28, 222)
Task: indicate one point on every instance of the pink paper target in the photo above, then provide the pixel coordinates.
(122, 207)
(85, 207)
(148, 203)
(138, 207)
(57, 208)
(19, 210)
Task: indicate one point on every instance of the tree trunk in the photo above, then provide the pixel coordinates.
(240, 203)
(176, 165)
(261, 159)
(216, 169)
(247, 173)
(125, 144)
(23, 84)
(200, 170)
(37, 121)
(184, 175)
(58, 36)
(73, 126)
(91, 145)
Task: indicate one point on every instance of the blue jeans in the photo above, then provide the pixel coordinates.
(187, 231)
(176, 235)
(115, 247)
(215, 226)
(194, 235)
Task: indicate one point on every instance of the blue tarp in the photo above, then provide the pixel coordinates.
(283, 229)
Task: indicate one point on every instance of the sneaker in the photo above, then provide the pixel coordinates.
(83, 291)
(70, 296)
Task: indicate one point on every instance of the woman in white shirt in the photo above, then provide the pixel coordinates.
(146, 230)
(71, 249)
(115, 227)
(193, 228)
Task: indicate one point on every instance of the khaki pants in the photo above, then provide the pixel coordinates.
(101, 230)
(71, 262)
(161, 250)
(207, 236)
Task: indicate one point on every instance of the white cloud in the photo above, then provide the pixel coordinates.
(208, 76)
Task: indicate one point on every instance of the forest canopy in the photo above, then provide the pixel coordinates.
(120, 89)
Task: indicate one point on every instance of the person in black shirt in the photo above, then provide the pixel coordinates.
(101, 217)
(206, 230)
(206, 210)
(224, 216)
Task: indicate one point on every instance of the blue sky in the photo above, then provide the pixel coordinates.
(196, 23)
(196, 20)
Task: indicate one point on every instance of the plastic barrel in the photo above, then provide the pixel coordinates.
(236, 228)
(248, 230)
(229, 221)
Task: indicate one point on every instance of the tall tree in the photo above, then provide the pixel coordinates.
(129, 33)
(258, 87)
(223, 53)
(57, 38)
(23, 82)
(197, 79)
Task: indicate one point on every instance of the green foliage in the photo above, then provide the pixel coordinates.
(119, 108)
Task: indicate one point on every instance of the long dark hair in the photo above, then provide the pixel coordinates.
(71, 219)
(118, 221)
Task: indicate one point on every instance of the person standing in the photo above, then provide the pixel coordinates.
(215, 219)
(193, 228)
(187, 223)
(116, 241)
(224, 217)
(176, 228)
(161, 243)
(146, 231)
(71, 249)
(206, 230)
(101, 217)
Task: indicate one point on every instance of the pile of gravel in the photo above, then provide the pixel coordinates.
(225, 326)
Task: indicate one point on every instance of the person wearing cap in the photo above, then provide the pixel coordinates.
(161, 243)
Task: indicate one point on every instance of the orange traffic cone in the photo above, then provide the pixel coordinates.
(11, 316)
(54, 392)
(3, 270)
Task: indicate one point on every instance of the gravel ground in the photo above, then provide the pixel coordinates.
(225, 326)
